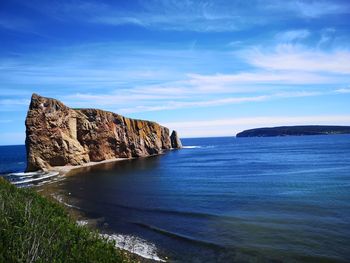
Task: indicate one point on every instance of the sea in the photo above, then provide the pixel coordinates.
(268, 199)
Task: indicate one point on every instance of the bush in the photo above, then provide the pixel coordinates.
(35, 229)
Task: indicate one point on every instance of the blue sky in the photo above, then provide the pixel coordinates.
(205, 68)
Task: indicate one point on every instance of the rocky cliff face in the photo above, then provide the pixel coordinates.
(57, 135)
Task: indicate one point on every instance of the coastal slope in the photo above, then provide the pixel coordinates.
(57, 135)
(36, 229)
(295, 131)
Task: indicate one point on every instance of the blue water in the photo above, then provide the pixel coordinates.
(12, 159)
(279, 199)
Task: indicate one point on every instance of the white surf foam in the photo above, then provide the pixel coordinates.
(191, 147)
(30, 174)
(36, 179)
(60, 199)
(135, 245)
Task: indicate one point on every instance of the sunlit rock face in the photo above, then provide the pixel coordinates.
(57, 135)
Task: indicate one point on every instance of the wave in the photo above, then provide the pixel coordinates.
(22, 179)
(168, 212)
(60, 199)
(29, 174)
(193, 214)
(35, 179)
(134, 245)
(198, 147)
(191, 147)
(180, 236)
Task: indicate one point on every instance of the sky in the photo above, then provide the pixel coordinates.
(204, 68)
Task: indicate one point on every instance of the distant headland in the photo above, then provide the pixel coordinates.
(295, 131)
(60, 136)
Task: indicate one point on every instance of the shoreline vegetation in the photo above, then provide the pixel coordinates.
(37, 229)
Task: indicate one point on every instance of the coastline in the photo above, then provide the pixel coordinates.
(67, 169)
(133, 247)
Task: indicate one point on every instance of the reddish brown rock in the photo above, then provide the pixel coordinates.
(57, 135)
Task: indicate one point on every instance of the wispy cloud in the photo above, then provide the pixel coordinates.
(310, 9)
(130, 85)
(343, 90)
(170, 104)
(260, 77)
(200, 16)
(292, 35)
(298, 58)
(5, 102)
(327, 35)
(314, 9)
(13, 104)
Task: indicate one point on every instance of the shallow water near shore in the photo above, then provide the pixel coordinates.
(279, 199)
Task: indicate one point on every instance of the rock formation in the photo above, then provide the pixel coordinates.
(175, 140)
(57, 135)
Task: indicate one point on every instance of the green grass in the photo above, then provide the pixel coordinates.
(35, 229)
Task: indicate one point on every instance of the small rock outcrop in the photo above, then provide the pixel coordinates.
(175, 141)
(57, 135)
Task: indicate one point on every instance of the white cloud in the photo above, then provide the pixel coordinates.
(200, 16)
(190, 19)
(344, 90)
(327, 35)
(296, 58)
(132, 101)
(5, 102)
(315, 9)
(230, 127)
(172, 105)
(292, 35)
(13, 104)
(260, 77)
(308, 9)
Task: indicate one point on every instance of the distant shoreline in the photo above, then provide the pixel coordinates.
(302, 130)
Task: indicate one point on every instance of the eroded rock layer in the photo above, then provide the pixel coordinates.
(57, 135)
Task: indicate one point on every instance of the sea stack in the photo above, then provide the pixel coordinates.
(57, 135)
(175, 141)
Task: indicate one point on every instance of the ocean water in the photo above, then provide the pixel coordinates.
(12, 159)
(279, 199)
